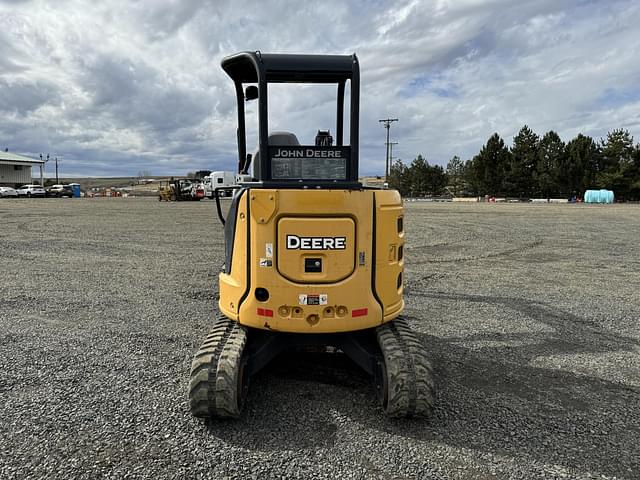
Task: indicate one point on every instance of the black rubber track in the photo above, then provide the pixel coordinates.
(216, 386)
(410, 388)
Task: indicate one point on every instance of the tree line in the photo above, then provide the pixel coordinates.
(533, 167)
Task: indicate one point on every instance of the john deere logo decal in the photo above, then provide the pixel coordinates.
(316, 243)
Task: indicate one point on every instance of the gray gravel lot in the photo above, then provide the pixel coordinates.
(531, 313)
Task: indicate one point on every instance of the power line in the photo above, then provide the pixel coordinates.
(391, 144)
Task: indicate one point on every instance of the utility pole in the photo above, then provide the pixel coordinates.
(57, 182)
(387, 124)
(41, 174)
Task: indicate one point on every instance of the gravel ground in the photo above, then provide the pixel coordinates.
(530, 311)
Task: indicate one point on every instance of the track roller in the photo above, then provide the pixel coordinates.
(217, 387)
(408, 388)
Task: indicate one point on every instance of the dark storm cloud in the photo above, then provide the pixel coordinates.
(136, 94)
(22, 98)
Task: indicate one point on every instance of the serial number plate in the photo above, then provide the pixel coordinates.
(313, 299)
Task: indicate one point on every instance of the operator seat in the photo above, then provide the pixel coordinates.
(283, 138)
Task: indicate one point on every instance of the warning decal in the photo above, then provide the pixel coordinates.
(265, 262)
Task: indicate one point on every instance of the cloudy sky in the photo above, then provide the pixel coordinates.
(116, 87)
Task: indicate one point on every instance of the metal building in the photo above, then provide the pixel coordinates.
(15, 170)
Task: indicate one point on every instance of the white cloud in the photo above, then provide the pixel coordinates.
(118, 86)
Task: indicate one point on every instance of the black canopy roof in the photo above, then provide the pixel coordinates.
(247, 67)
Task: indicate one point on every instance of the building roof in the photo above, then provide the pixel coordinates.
(14, 159)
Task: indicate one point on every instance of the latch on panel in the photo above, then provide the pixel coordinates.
(312, 265)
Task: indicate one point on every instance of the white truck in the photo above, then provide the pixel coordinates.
(217, 180)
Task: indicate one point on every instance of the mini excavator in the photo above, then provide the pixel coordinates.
(313, 258)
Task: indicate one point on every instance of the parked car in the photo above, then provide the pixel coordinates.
(31, 191)
(59, 191)
(8, 192)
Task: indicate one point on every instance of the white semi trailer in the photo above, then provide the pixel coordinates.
(219, 180)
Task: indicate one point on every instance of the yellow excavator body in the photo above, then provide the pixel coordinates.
(315, 261)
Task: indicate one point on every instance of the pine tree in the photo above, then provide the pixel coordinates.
(524, 159)
(617, 150)
(455, 175)
(399, 177)
(490, 164)
(436, 179)
(418, 173)
(618, 166)
(550, 161)
(471, 176)
(583, 162)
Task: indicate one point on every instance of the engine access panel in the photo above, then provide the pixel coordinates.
(316, 249)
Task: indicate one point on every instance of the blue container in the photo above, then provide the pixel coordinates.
(75, 188)
(598, 196)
